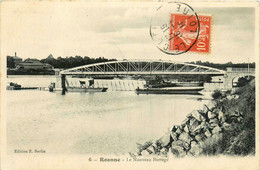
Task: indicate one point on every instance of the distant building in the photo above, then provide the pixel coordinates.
(34, 65)
(16, 59)
(47, 66)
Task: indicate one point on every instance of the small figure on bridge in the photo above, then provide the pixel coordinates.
(82, 84)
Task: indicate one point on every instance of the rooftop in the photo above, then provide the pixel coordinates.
(15, 57)
(30, 64)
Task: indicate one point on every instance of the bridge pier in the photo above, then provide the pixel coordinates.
(63, 84)
(232, 73)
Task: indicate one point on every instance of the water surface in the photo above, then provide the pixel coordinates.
(91, 123)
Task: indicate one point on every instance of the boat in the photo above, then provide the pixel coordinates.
(86, 89)
(15, 86)
(189, 84)
(161, 83)
(170, 90)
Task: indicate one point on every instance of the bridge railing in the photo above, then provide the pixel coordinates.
(230, 69)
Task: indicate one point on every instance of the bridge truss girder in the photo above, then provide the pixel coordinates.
(142, 67)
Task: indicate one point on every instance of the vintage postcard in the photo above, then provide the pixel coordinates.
(129, 85)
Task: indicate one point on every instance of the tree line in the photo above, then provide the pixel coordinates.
(69, 62)
(62, 62)
(223, 66)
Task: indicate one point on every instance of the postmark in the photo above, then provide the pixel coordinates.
(175, 28)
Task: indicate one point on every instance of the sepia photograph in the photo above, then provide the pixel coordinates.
(129, 85)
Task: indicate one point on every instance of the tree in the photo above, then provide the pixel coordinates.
(10, 62)
(216, 95)
(242, 81)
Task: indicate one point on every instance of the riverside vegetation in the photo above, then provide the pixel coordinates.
(225, 126)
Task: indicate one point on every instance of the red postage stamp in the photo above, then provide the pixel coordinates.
(182, 33)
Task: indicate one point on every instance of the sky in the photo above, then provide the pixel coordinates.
(120, 31)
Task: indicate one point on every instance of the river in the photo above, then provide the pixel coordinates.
(89, 123)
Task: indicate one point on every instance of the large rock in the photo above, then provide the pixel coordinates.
(164, 151)
(195, 149)
(177, 149)
(178, 131)
(229, 97)
(178, 143)
(186, 121)
(145, 153)
(211, 115)
(213, 125)
(198, 129)
(197, 115)
(185, 137)
(193, 143)
(193, 124)
(164, 140)
(156, 148)
(214, 122)
(182, 126)
(216, 130)
(207, 133)
(204, 124)
(144, 146)
(174, 128)
(205, 109)
(203, 118)
(186, 129)
(151, 149)
(221, 117)
(189, 115)
(200, 137)
(174, 136)
(211, 105)
(184, 145)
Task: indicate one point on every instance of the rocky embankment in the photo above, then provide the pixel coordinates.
(224, 126)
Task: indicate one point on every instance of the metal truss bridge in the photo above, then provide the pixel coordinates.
(142, 67)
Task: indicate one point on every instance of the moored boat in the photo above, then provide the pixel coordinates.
(15, 86)
(189, 84)
(161, 83)
(86, 89)
(170, 90)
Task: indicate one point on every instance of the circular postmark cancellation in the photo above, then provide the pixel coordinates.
(175, 28)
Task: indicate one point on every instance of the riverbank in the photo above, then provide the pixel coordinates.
(30, 72)
(225, 126)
